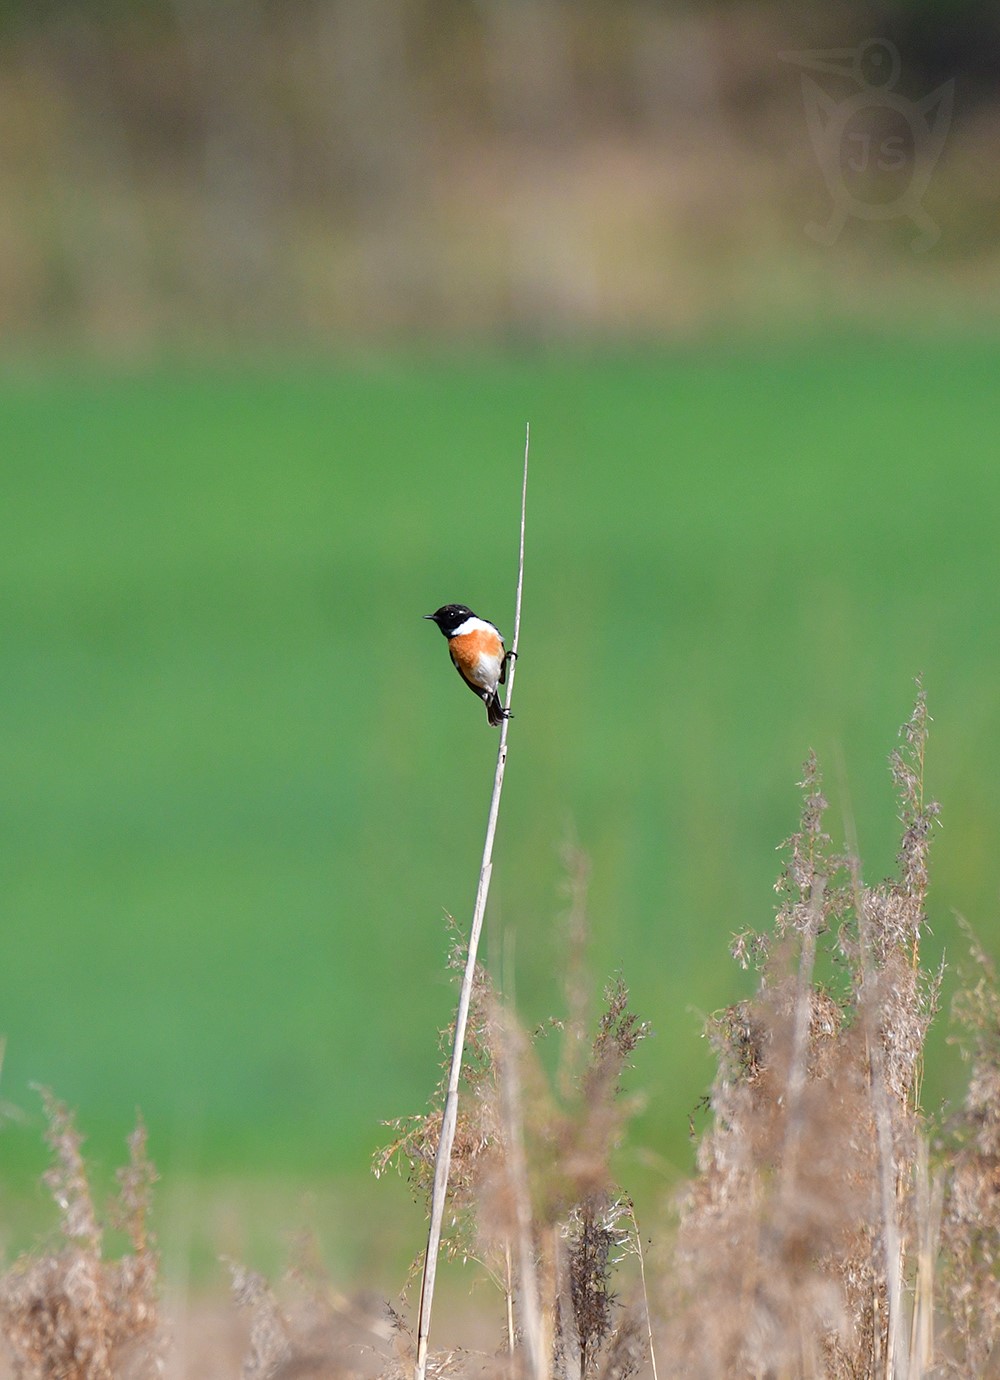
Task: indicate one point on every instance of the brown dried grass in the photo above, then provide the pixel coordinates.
(73, 1314)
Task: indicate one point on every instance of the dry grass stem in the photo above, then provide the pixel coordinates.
(532, 1196)
(449, 1118)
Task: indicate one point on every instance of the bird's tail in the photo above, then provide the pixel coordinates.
(495, 711)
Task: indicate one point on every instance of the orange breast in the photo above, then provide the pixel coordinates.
(477, 655)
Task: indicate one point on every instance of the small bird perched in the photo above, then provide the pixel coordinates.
(478, 654)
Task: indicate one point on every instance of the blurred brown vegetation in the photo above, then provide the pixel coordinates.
(205, 173)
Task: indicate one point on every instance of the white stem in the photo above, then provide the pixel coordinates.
(442, 1161)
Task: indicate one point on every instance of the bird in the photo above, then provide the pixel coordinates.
(478, 655)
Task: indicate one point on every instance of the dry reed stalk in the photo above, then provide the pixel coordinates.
(798, 1070)
(535, 1318)
(442, 1161)
(929, 1192)
(645, 1292)
(889, 1174)
(968, 1270)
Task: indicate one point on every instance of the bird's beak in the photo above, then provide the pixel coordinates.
(429, 615)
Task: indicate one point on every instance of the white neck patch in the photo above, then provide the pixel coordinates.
(474, 625)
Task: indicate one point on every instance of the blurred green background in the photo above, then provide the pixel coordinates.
(280, 288)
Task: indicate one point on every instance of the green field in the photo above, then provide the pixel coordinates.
(241, 784)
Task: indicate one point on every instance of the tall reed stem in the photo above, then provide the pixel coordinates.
(442, 1161)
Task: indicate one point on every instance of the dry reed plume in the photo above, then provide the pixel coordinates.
(74, 1314)
(532, 1197)
(806, 1244)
